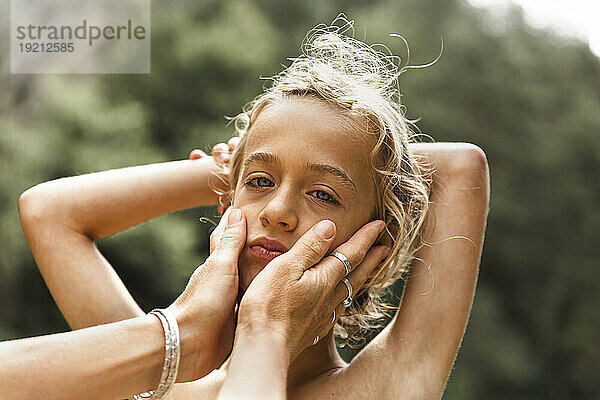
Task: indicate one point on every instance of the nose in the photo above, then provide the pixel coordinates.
(280, 210)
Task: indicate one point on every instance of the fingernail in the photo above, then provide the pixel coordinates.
(235, 217)
(325, 229)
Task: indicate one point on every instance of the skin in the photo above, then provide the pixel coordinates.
(61, 228)
(282, 199)
(440, 288)
(411, 358)
(103, 361)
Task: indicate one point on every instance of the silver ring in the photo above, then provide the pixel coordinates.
(343, 259)
(316, 340)
(333, 318)
(348, 300)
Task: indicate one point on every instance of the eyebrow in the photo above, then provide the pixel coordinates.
(268, 158)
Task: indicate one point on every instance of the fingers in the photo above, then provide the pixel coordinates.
(197, 154)
(311, 247)
(229, 237)
(357, 279)
(220, 152)
(215, 236)
(355, 249)
(232, 143)
(360, 273)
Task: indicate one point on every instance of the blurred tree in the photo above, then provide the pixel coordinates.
(531, 100)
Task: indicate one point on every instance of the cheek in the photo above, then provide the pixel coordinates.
(347, 227)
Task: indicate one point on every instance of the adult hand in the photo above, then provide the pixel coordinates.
(296, 294)
(205, 310)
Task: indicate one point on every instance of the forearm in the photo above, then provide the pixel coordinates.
(62, 218)
(101, 204)
(258, 368)
(435, 307)
(103, 362)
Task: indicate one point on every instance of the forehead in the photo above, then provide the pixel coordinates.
(311, 130)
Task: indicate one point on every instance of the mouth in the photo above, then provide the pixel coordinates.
(265, 248)
(263, 253)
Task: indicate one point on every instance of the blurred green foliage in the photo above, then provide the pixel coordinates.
(529, 99)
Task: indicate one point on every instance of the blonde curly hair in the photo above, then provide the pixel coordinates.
(363, 83)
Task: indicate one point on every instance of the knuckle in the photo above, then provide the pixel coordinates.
(361, 254)
(219, 147)
(233, 142)
(213, 240)
(355, 255)
(228, 237)
(340, 293)
(310, 253)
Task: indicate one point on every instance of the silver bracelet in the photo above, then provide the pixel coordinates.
(172, 353)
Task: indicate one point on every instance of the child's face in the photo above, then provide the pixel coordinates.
(302, 164)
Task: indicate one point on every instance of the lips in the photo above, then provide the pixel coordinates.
(266, 248)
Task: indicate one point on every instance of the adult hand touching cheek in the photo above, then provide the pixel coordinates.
(117, 359)
(205, 310)
(293, 301)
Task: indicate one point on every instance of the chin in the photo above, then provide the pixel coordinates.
(248, 268)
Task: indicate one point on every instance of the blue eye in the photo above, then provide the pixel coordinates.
(263, 182)
(260, 181)
(324, 196)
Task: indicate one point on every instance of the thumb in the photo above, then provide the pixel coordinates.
(313, 245)
(232, 239)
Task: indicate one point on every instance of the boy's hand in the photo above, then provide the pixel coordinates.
(221, 153)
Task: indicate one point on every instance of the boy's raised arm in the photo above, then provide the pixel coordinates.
(62, 219)
(423, 338)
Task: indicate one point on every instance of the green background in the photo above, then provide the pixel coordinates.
(531, 100)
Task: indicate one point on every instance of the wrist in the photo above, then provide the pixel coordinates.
(155, 336)
(191, 349)
(258, 367)
(171, 356)
(259, 326)
(261, 335)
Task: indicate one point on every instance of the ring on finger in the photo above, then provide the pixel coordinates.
(344, 261)
(333, 318)
(348, 300)
(316, 340)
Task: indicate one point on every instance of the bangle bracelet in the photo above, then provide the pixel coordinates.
(172, 353)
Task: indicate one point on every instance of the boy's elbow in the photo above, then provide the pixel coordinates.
(31, 206)
(472, 163)
(471, 157)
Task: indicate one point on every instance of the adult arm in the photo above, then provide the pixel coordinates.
(122, 358)
(63, 218)
(289, 303)
(413, 356)
(97, 362)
